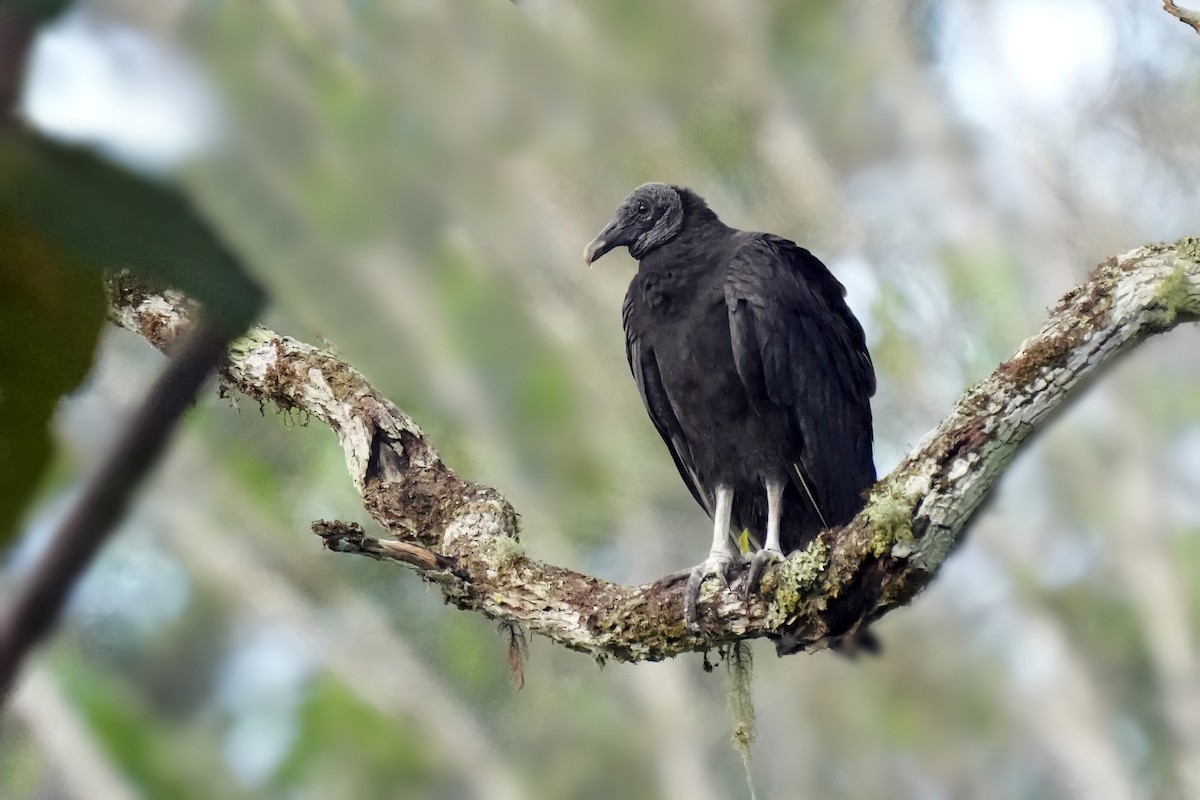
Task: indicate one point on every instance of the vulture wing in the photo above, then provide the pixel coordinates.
(797, 345)
(644, 366)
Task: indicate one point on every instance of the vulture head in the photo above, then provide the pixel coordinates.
(648, 218)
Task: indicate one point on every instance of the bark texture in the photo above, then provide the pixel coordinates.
(464, 536)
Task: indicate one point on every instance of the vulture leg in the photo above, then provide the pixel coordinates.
(722, 558)
(772, 551)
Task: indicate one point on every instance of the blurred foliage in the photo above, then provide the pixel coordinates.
(336, 729)
(179, 766)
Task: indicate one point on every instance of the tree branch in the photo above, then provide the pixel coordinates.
(1189, 18)
(464, 536)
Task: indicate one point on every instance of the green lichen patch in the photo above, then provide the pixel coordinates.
(1189, 248)
(796, 575)
(1175, 296)
(504, 552)
(804, 568)
(253, 339)
(889, 511)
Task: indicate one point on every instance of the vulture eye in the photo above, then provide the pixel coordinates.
(643, 210)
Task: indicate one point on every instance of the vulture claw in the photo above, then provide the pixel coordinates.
(722, 565)
(758, 567)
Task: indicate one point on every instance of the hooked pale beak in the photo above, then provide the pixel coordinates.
(603, 242)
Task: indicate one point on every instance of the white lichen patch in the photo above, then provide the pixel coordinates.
(160, 307)
(961, 466)
(471, 526)
(918, 483)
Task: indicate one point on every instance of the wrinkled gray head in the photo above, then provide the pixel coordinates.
(648, 218)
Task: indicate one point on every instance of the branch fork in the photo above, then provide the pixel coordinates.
(464, 537)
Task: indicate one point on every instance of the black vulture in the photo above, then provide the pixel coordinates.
(753, 369)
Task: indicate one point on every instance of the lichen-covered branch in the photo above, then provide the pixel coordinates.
(464, 537)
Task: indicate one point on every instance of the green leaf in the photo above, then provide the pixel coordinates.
(51, 312)
(67, 217)
(744, 543)
(112, 219)
(37, 10)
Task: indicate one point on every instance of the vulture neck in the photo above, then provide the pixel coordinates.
(701, 234)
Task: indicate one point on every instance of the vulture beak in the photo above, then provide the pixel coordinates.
(604, 241)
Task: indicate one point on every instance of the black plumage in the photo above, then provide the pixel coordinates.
(753, 369)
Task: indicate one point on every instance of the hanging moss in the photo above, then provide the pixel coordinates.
(741, 706)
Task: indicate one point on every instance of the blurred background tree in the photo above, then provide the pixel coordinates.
(414, 181)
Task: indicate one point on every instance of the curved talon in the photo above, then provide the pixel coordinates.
(723, 566)
(758, 567)
(691, 603)
(733, 570)
(672, 578)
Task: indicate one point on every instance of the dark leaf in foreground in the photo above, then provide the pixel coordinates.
(51, 312)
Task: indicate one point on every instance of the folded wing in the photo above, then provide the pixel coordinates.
(797, 346)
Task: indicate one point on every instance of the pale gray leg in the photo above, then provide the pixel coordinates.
(722, 556)
(774, 515)
(772, 551)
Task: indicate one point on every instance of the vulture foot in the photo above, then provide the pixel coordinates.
(758, 566)
(721, 564)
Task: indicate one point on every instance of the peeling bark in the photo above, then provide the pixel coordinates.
(464, 536)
